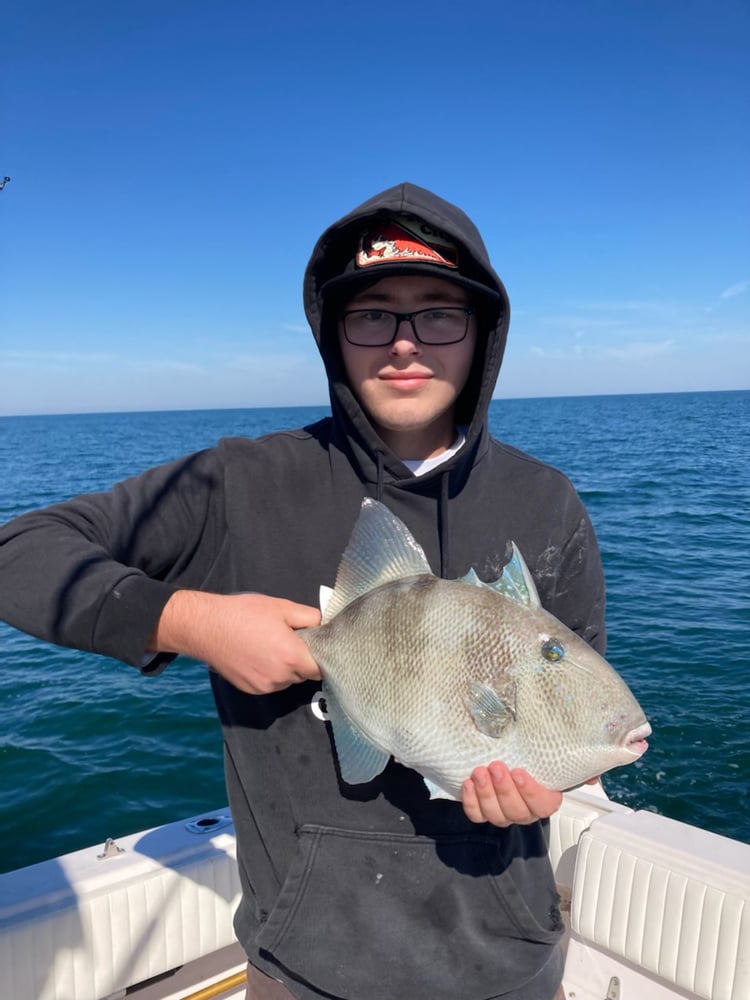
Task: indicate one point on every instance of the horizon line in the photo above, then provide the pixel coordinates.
(327, 406)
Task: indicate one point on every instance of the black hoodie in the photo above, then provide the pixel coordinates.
(368, 892)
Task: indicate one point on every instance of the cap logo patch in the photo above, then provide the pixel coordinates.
(407, 239)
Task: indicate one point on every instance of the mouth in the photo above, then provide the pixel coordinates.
(406, 379)
(635, 741)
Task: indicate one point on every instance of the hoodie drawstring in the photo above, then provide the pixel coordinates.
(443, 522)
(380, 460)
(442, 508)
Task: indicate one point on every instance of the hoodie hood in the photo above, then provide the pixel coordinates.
(333, 272)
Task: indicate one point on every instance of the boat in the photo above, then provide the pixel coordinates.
(655, 909)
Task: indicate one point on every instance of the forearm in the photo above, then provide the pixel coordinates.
(190, 623)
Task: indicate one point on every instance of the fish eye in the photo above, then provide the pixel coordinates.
(553, 650)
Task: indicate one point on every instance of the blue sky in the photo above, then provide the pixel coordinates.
(172, 164)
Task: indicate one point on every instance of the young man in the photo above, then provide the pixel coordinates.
(369, 892)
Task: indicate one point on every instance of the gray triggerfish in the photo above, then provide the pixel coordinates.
(446, 675)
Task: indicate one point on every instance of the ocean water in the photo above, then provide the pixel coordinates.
(90, 749)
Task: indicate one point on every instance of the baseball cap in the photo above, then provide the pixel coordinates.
(402, 243)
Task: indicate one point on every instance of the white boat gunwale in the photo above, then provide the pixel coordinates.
(657, 910)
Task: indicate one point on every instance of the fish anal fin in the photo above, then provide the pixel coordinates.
(436, 792)
(359, 760)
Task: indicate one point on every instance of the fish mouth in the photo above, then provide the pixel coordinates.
(635, 740)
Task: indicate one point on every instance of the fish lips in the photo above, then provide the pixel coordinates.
(636, 740)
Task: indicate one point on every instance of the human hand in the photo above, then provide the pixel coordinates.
(249, 639)
(493, 794)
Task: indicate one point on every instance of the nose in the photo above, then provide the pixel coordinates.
(405, 341)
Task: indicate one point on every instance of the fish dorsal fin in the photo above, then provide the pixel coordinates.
(380, 550)
(491, 710)
(516, 582)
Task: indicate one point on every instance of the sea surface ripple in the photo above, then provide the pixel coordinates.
(90, 749)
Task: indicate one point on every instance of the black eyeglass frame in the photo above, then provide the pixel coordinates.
(402, 317)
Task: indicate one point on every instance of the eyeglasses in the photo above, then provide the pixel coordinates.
(378, 327)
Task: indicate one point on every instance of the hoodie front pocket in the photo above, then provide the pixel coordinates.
(371, 916)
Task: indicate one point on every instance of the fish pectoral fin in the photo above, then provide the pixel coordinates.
(359, 760)
(436, 792)
(491, 712)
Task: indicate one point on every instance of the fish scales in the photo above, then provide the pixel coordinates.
(410, 710)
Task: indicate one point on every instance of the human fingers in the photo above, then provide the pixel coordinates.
(301, 661)
(300, 615)
(470, 802)
(496, 795)
(490, 796)
(540, 802)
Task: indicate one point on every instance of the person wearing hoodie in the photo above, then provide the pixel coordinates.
(374, 891)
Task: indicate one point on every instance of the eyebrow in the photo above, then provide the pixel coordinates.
(454, 298)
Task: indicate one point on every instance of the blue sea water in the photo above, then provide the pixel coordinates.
(90, 749)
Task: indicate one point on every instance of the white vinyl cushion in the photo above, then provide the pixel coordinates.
(670, 898)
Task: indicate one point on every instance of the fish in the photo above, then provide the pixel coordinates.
(446, 675)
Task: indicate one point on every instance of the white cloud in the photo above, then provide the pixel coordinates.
(57, 357)
(633, 352)
(737, 289)
(79, 359)
(637, 352)
(628, 306)
(634, 332)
